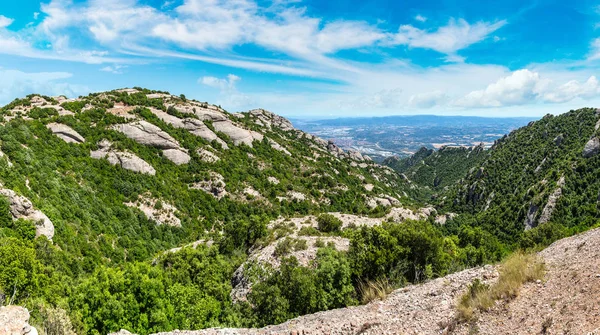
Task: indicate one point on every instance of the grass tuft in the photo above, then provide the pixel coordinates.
(515, 271)
(374, 290)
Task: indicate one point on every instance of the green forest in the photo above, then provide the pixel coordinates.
(108, 267)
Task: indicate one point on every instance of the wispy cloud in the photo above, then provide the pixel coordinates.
(455, 36)
(5, 21)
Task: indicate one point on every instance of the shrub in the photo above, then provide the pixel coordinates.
(328, 223)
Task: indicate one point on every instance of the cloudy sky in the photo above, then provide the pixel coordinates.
(313, 59)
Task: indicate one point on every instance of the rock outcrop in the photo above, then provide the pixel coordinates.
(177, 156)
(207, 156)
(552, 200)
(146, 133)
(65, 132)
(214, 185)
(124, 159)
(156, 210)
(237, 135)
(194, 126)
(22, 208)
(268, 120)
(14, 320)
(592, 147)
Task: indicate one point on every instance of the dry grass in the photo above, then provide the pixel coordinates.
(515, 271)
(374, 290)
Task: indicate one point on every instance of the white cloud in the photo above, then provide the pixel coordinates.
(420, 18)
(574, 89)
(449, 39)
(5, 21)
(528, 87)
(36, 15)
(16, 83)
(116, 68)
(519, 88)
(227, 83)
(594, 53)
(229, 95)
(428, 99)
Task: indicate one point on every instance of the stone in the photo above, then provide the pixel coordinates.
(65, 132)
(237, 135)
(162, 215)
(148, 134)
(269, 120)
(124, 159)
(214, 186)
(273, 180)
(207, 156)
(177, 156)
(14, 320)
(592, 147)
(22, 208)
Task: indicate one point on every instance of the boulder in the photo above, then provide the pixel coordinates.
(592, 147)
(148, 134)
(126, 160)
(22, 208)
(65, 132)
(177, 156)
(530, 217)
(14, 320)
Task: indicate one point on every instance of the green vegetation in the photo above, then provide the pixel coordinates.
(328, 223)
(108, 266)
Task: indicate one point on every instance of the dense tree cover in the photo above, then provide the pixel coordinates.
(436, 170)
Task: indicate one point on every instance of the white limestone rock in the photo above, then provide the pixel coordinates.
(65, 132)
(22, 208)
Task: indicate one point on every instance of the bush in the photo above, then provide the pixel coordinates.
(374, 290)
(328, 223)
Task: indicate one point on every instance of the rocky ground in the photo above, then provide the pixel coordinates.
(567, 301)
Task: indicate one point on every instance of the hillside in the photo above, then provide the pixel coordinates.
(438, 169)
(552, 305)
(546, 172)
(142, 210)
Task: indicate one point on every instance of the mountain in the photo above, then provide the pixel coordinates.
(141, 210)
(543, 173)
(437, 169)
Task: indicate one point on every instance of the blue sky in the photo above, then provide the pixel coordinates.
(313, 59)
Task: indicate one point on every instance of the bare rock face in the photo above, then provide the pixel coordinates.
(214, 186)
(278, 147)
(14, 320)
(65, 132)
(268, 120)
(552, 200)
(530, 218)
(207, 156)
(122, 332)
(156, 210)
(592, 147)
(148, 134)
(22, 208)
(237, 135)
(177, 156)
(194, 126)
(126, 160)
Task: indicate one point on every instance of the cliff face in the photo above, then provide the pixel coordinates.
(566, 301)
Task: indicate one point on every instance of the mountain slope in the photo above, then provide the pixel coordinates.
(437, 169)
(553, 305)
(544, 172)
(100, 186)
